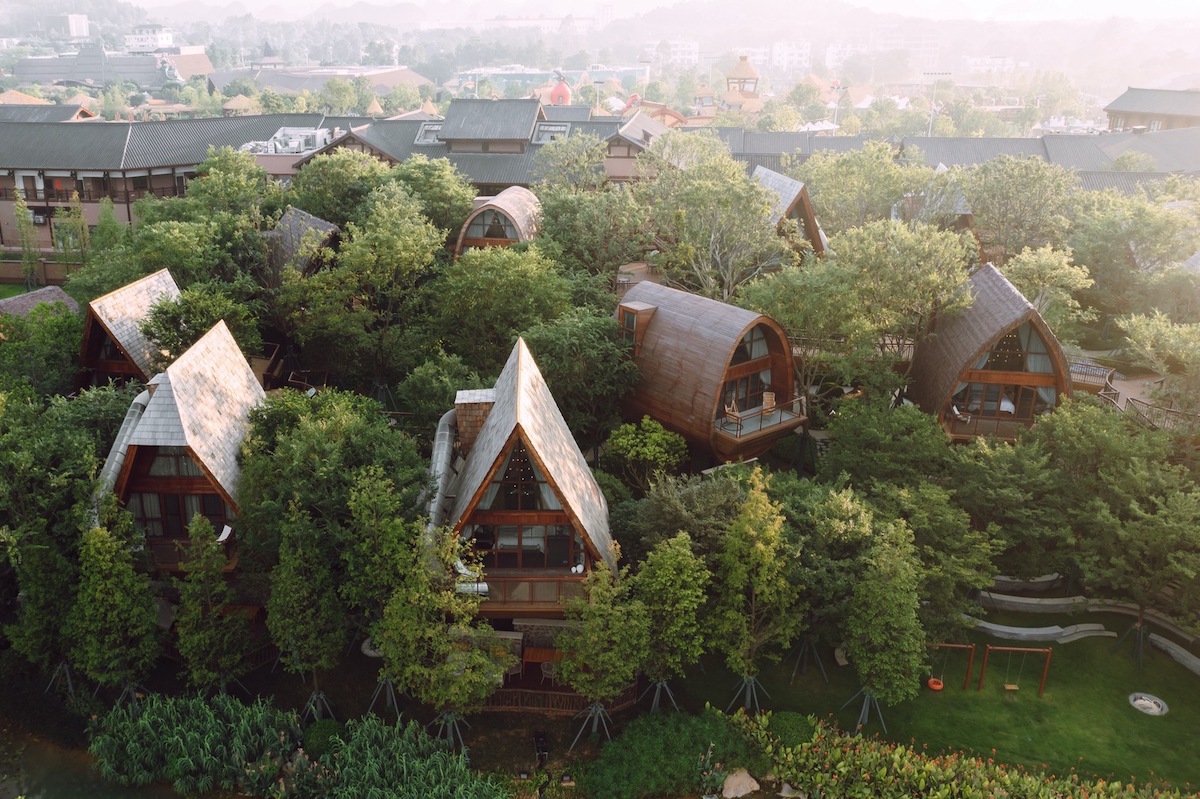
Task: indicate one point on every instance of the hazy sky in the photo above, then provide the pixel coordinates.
(932, 9)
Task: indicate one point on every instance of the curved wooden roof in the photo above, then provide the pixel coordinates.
(959, 341)
(518, 203)
(685, 353)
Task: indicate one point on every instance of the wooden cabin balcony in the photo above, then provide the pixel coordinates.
(527, 692)
(529, 594)
(972, 426)
(169, 554)
(749, 423)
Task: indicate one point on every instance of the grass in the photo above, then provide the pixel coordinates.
(10, 290)
(1083, 722)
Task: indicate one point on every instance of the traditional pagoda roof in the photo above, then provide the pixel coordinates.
(1157, 101)
(957, 341)
(525, 409)
(22, 304)
(374, 109)
(238, 102)
(203, 402)
(743, 70)
(121, 313)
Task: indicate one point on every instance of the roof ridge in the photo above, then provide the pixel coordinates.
(125, 149)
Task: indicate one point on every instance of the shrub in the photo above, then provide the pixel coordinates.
(320, 735)
(791, 728)
(656, 755)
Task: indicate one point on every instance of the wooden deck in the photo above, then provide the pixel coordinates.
(527, 692)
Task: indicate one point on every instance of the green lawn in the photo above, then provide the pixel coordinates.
(10, 290)
(1084, 720)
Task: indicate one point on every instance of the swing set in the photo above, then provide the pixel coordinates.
(936, 683)
(1011, 686)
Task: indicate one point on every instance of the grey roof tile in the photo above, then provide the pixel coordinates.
(121, 313)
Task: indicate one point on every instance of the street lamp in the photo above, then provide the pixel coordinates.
(933, 96)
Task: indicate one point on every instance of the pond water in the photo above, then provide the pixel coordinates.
(36, 769)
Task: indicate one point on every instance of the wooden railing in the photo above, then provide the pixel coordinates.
(89, 195)
(756, 420)
(1092, 377)
(1158, 418)
(553, 702)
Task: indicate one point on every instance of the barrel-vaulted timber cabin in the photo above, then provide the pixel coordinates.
(524, 495)
(719, 375)
(992, 369)
(512, 216)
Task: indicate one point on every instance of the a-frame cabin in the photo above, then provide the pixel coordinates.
(114, 347)
(524, 495)
(177, 452)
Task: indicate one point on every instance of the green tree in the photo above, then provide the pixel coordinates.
(428, 391)
(672, 584)
(1018, 203)
(109, 233)
(1134, 161)
(213, 635)
(333, 186)
(711, 220)
(608, 641)
(875, 444)
(572, 163)
(755, 604)
(490, 295)
(41, 349)
(430, 645)
(71, 233)
(884, 638)
(641, 453)
(1050, 280)
(305, 617)
(588, 367)
(401, 98)
(902, 277)
(27, 236)
(338, 97)
(176, 323)
(445, 194)
(350, 318)
(595, 232)
(1171, 350)
(113, 623)
(850, 189)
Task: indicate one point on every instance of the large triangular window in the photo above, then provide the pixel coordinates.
(519, 485)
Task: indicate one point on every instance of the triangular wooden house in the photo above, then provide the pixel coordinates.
(524, 495)
(114, 347)
(177, 453)
(992, 369)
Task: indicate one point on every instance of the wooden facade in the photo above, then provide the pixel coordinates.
(512, 216)
(719, 375)
(992, 369)
(178, 450)
(525, 497)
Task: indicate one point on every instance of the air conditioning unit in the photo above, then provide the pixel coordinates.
(39, 219)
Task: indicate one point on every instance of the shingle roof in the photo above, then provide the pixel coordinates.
(1157, 101)
(567, 113)
(959, 340)
(491, 120)
(296, 230)
(122, 311)
(42, 113)
(785, 191)
(135, 145)
(1172, 150)
(1130, 183)
(22, 304)
(968, 151)
(524, 407)
(203, 402)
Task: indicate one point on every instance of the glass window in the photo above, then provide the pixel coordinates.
(491, 224)
(752, 346)
(520, 485)
(628, 324)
